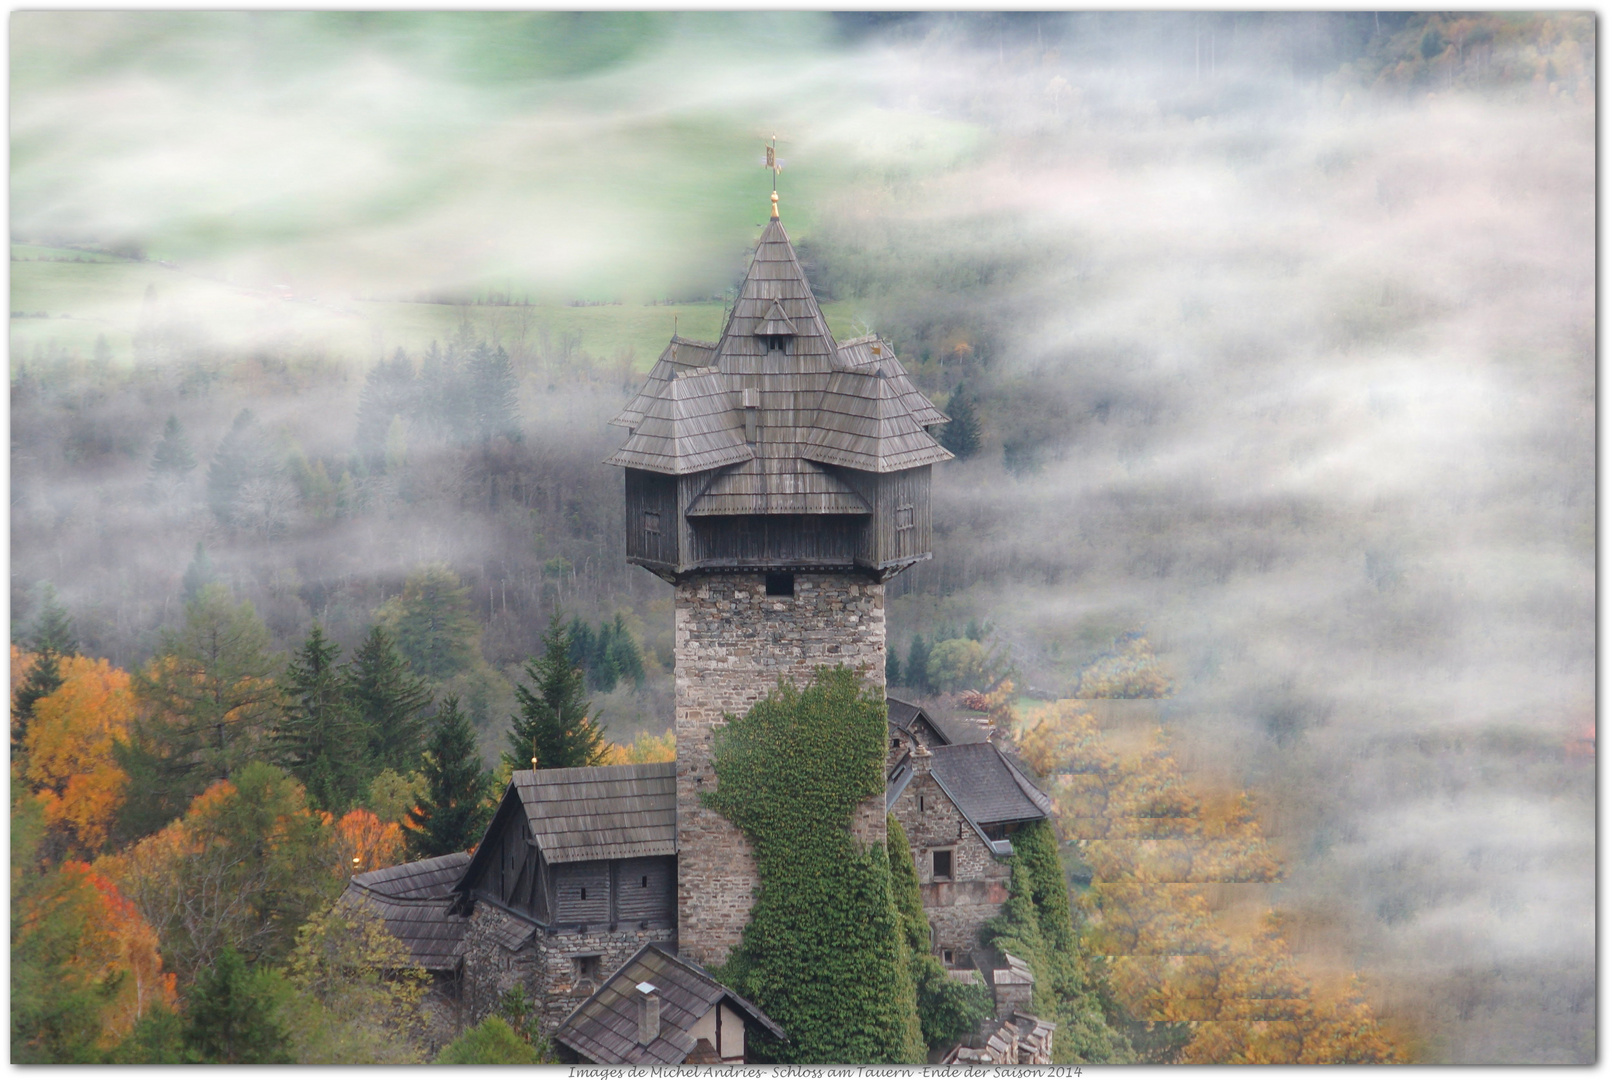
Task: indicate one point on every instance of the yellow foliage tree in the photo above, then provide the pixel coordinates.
(69, 750)
(363, 842)
(1154, 846)
(642, 750)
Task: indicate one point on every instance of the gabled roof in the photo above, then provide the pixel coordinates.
(986, 786)
(686, 428)
(778, 486)
(858, 354)
(413, 900)
(601, 812)
(604, 1028)
(904, 714)
(679, 354)
(862, 423)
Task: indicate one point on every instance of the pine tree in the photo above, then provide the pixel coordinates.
(389, 702)
(388, 396)
(199, 574)
(231, 1014)
(173, 459)
(918, 666)
(431, 623)
(554, 725)
(892, 666)
(318, 738)
(494, 407)
(453, 811)
(51, 640)
(962, 435)
(625, 657)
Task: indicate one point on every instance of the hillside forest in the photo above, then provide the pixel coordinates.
(1268, 344)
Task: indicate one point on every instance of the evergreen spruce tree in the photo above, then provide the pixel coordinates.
(892, 666)
(173, 459)
(199, 574)
(232, 1014)
(387, 397)
(962, 434)
(918, 666)
(431, 623)
(494, 402)
(389, 703)
(51, 640)
(625, 659)
(583, 649)
(319, 738)
(453, 812)
(554, 725)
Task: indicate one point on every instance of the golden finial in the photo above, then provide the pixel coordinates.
(775, 168)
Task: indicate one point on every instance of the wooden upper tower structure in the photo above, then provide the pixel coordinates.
(777, 448)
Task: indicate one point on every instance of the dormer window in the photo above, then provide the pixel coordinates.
(776, 342)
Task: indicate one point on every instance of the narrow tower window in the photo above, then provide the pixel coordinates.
(943, 865)
(780, 584)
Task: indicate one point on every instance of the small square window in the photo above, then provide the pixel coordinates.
(903, 518)
(780, 584)
(947, 957)
(652, 522)
(586, 967)
(943, 865)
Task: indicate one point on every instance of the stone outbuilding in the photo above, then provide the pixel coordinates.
(959, 802)
(662, 1009)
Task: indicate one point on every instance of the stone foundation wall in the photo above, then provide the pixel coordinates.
(733, 644)
(545, 964)
(958, 908)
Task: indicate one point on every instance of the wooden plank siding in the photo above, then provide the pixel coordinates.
(652, 518)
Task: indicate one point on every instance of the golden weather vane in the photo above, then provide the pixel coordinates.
(774, 168)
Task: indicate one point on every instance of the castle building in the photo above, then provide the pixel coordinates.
(777, 479)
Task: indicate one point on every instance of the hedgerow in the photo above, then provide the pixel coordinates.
(823, 953)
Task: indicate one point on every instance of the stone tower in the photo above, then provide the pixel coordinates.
(777, 479)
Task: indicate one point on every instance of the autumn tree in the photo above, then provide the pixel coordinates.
(390, 702)
(431, 623)
(84, 965)
(319, 738)
(244, 867)
(51, 640)
(453, 811)
(553, 725)
(70, 761)
(358, 990)
(207, 704)
(363, 842)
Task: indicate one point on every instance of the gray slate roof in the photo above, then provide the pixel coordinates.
(605, 1027)
(413, 900)
(815, 402)
(986, 786)
(601, 812)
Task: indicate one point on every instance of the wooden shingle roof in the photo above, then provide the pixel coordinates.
(680, 354)
(813, 401)
(604, 1028)
(413, 900)
(686, 428)
(601, 812)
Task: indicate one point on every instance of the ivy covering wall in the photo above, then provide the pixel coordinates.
(1035, 926)
(824, 954)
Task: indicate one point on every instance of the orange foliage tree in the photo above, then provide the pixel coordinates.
(70, 761)
(1189, 991)
(363, 842)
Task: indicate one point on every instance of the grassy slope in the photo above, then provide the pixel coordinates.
(88, 299)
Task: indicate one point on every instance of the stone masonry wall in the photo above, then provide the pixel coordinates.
(733, 644)
(545, 964)
(958, 908)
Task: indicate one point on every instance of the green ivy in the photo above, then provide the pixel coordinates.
(824, 952)
(948, 1010)
(1035, 926)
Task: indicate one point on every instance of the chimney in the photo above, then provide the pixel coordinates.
(648, 1013)
(752, 402)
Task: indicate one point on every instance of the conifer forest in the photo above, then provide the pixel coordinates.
(1268, 546)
